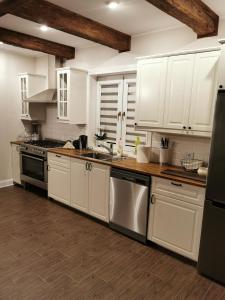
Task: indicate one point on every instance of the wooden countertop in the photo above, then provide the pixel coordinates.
(130, 164)
(17, 142)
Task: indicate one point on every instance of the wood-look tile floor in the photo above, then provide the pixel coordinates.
(50, 252)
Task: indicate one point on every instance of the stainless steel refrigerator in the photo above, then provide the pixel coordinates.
(212, 247)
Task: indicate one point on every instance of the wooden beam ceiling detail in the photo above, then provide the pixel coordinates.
(54, 16)
(37, 44)
(194, 13)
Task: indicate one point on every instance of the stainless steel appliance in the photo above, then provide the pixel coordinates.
(129, 203)
(212, 247)
(33, 161)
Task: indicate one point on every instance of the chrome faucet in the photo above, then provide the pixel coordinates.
(109, 149)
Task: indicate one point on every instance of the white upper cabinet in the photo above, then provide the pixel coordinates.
(151, 84)
(72, 95)
(29, 85)
(204, 91)
(178, 91)
(177, 94)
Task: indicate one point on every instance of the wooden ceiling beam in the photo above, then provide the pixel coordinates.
(54, 16)
(37, 44)
(6, 6)
(194, 13)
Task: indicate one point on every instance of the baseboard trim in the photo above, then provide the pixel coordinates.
(5, 183)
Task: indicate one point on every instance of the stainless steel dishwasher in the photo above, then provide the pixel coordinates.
(129, 203)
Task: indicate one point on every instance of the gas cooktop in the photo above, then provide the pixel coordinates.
(46, 143)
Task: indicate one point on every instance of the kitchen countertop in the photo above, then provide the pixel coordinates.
(17, 142)
(130, 164)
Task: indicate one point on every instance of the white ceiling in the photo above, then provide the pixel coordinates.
(133, 17)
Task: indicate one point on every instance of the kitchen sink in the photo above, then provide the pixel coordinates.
(99, 156)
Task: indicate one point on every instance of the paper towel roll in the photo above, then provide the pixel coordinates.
(203, 171)
(143, 154)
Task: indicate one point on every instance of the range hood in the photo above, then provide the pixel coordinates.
(49, 95)
(46, 96)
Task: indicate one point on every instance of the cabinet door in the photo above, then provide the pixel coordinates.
(79, 185)
(63, 78)
(175, 225)
(23, 96)
(178, 91)
(99, 191)
(151, 85)
(59, 183)
(16, 163)
(204, 91)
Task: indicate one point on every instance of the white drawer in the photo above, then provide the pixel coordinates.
(179, 191)
(59, 160)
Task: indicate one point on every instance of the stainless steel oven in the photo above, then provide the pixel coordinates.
(33, 161)
(33, 167)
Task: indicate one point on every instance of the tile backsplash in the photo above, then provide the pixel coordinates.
(181, 145)
(54, 129)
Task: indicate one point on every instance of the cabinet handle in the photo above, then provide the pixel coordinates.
(153, 199)
(119, 115)
(90, 167)
(123, 115)
(184, 127)
(58, 155)
(177, 184)
(189, 127)
(86, 166)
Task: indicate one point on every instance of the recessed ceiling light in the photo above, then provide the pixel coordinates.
(113, 4)
(44, 28)
(1, 43)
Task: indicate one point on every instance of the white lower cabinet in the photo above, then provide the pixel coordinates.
(90, 188)
(80, 184)
(59, 178)
(16, 163)
(174, 221)
(99, 191)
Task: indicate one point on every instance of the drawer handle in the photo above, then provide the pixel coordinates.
(177, 184)
(58, 155)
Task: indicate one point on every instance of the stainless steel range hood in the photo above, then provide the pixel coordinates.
(50, 94)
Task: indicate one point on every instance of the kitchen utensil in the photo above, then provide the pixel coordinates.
(68, 145)
(143, 154)
(191, 164)
(76, 144)
(164, 156)
(83, 141)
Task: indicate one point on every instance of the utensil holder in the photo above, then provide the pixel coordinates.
(164, 156)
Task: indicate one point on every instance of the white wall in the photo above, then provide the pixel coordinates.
(10, 107)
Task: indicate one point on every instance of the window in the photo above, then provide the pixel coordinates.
(116, 111)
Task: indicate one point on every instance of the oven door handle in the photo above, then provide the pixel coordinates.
(33, 157)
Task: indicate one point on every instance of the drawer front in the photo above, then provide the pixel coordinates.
(59, 160)
(179, 191)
